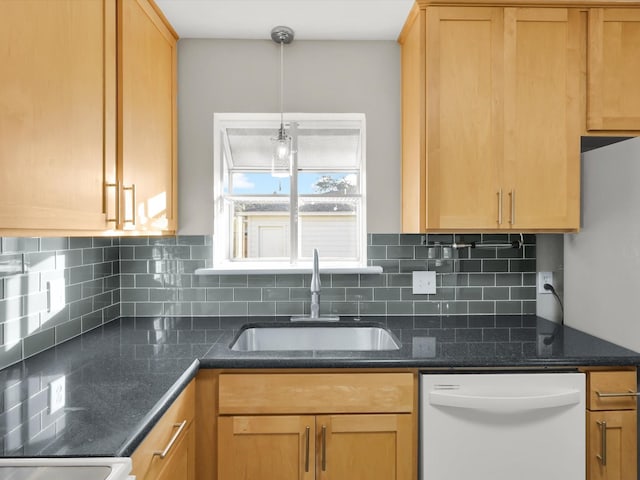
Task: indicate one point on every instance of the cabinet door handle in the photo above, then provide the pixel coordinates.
(169, 446)
(620, 394)
(512, 195)
(603, 443)
(324, 448)
(132, 188)
(499, 193)
(107, 186)
(306, 450)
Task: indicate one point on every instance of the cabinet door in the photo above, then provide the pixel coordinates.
(174, 434)
(266, 447)
(364, 447)
(542, 130)
(611, 445)
(57, 113)
(613, 69)
(146, 99)
(464, 117)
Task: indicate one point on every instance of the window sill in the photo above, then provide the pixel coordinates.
(266, 269)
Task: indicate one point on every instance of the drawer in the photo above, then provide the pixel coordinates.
(146, 465)
(611, 382)
(316, 393)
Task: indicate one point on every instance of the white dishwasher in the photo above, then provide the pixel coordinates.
(502, 426)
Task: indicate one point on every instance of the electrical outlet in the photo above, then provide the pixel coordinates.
(55, 295)
(545, 277)
(424, 282)
(57, 394)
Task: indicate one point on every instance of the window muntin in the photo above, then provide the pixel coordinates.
(254, 221)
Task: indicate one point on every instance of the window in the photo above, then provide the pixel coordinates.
(270, 216)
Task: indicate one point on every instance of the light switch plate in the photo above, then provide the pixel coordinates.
(424, 282)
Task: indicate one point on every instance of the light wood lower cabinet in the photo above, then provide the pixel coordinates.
(611, 425)
(168, 451)
(611, 445)
(316, 447)
(317, 426)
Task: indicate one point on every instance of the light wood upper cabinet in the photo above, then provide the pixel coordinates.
(541, 176)
(613, 73)
(57, 113)
(147, 159)
(490, 119)
(87, 117)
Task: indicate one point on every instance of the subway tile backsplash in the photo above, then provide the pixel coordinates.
(105, 278)
(84, 273)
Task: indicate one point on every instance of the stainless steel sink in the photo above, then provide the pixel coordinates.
(367, 337)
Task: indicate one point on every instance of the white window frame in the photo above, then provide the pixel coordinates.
(222, 248)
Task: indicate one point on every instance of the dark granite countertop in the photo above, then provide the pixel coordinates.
(121, 377)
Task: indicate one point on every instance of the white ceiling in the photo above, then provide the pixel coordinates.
(310, 19)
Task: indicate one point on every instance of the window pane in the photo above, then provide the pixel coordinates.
(251, 147)
(261, 229)
(328, 148)
(332, 226)
(259, 184)
(328, 183)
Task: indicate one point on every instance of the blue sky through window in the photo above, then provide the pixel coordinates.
(266, 184)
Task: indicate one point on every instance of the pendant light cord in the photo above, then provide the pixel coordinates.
(281, 84)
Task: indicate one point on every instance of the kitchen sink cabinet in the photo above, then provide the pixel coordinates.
(316, 426)
(168, 451)
(613, 99)
(88, 118)
(611, 425)
(336, 447)
(57, 114)
(490, 135)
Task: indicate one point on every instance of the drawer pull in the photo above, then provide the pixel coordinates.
(603, 443)
(167, 449)
(630, 393)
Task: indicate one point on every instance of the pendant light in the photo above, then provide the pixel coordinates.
(281, 160)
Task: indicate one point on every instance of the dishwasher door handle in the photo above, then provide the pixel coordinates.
(503, 403)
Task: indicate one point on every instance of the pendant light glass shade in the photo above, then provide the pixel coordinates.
(281, 160)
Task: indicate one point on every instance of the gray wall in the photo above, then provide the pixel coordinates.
(320, 76)
(602, 262)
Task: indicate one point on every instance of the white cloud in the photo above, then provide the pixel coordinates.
(240, 180)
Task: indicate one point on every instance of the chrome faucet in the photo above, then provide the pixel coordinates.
(315, 287)
(314, 311)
